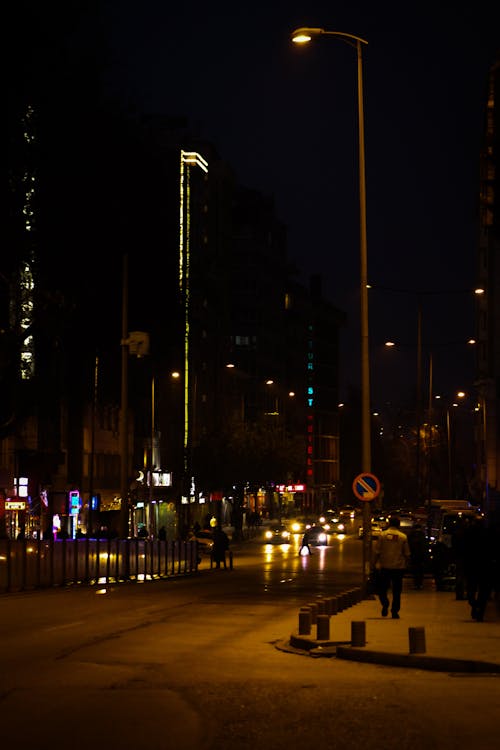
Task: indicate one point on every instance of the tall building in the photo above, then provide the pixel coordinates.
(488, 311)
(89, 193)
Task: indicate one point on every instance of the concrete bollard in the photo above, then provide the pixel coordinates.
(328, 605)
(358, 633)
(354, 596)
(334, 605)
(321, 607)
(323, 628)
(305, 621)
(314, 612)
(417, 640)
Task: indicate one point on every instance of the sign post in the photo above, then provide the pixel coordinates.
(366, 487)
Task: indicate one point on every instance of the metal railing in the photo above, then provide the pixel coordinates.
(34, 563)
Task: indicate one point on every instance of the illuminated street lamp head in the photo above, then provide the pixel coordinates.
(304, 35)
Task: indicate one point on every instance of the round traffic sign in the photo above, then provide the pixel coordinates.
(366, 486)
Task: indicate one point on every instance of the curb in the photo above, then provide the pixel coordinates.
(416, 661)
(304, 643)
(344, 650)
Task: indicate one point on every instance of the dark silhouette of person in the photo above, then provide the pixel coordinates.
(479, 566)
(391, 558)
(418, 554)
(162, 534)
(221, 545)
(457, 553)
(305, 543)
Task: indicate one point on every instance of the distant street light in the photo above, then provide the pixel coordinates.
(453, 405)
(302, 36)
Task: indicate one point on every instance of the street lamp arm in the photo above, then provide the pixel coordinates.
(305, 34)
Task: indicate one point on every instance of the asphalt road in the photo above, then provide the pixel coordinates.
(192, 663)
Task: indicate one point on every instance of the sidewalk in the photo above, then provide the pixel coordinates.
(447, 638)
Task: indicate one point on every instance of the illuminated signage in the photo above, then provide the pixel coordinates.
(75, 502)
(21, 486)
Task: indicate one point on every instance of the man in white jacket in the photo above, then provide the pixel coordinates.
(391, 558)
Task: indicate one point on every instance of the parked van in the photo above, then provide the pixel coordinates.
(445, 516)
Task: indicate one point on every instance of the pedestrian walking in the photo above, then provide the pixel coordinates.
(221, 545)
(305, 543)
(391, 558)
(479, 560)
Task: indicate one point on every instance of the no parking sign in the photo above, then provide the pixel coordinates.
(366, 486)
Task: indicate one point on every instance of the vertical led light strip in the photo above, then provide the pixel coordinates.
(23, 316)
(188, 159)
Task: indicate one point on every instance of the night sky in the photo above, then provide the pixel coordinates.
(285, 118)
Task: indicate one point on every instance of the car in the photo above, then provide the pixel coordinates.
(332, 523)
(375, 532)
(205, 541)
(300, 524)
(297, 526)
(381, 519)
(406, 521)
(277, 534)
(347, 511)
(317, 536)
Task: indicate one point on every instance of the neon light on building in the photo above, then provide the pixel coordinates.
(189, 159)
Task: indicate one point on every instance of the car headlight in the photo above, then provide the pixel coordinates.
(326, 526)
(285, 534)
(322, 538)
(296, 527)
(269, 535)
(341, 527)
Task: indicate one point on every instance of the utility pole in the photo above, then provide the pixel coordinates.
(418, 420)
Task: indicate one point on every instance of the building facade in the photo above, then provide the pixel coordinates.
(488, 309)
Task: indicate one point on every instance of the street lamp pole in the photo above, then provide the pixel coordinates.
(124, 446)
(301, 36)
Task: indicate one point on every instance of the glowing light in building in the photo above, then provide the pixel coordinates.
(188, 159)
